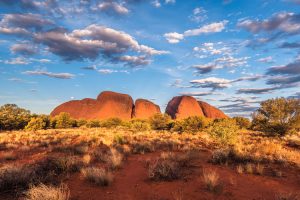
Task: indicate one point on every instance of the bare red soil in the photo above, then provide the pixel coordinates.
(131, 182)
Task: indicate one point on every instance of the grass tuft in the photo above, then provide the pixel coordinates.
(48, 193)
(98, 176)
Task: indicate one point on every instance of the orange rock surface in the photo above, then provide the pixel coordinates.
(144, 109)
(181, 107)
(211, 111)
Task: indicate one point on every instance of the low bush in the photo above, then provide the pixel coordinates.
(93, 124)
(190, 125)
(170, 166)
(119, 139)
(242, 122)
(112, 122)
(164, 169)
(138, 125)
(63, 120)
(211, 180)
(45, 192)
(16, 177)
(142, 147)
(45, 171)
(225, 131)
(98, 176)
(38, 123)
(114, 159)
(160, 122)
(51, 166)
(82, 122)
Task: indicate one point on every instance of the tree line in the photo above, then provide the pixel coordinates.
(279, 116)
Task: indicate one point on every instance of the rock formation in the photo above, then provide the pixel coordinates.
(211, 111)
(144, 109)
(79, 109)
(112, 104)
(181, 107)
(107, 105)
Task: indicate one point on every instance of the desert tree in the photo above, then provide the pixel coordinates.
(277, 116)
(13, 117)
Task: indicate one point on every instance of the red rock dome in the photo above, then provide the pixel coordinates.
(181, 107)
(113, 104)
(79, 109)
(107, 105)
(144, 109)
(211, 111)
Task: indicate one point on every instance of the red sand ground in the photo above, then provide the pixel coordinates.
(131, 183)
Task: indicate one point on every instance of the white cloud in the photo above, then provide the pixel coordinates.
(212, 49)
(199, 15)
(50, 74)
(211, 82)
(113, 6)
(135, 60)
(93, 41)
(17, 61)
(105, 71)
(170, 1)
(156, 3)
(210, 28)
(268, 59)
(173, 37)
(110, 71)
(283, 22)
(215, 27)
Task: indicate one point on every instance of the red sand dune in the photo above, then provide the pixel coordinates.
(144, 109)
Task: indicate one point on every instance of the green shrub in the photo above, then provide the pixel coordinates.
(112, 122)
(225, 131)
(93, 124)
(13, 118)
(119, 139)
(277, 116)
(81, 122)
(190, 125)
(38, 123)
(139, 125)
(63, 120)
(242, 122)
(160, 122)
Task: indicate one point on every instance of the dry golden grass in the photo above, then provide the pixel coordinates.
(98, 176)
(240, 169)
(170, 166)
(86, 159)
(45, 192)
(211, 180)
(108, 148)
(114, 159)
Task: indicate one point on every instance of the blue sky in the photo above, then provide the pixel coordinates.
(230, 53)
